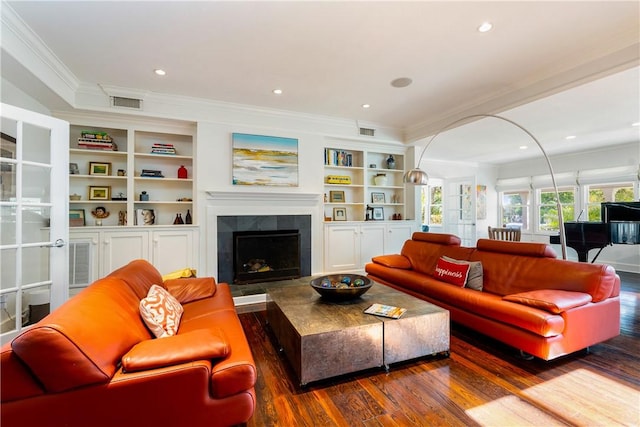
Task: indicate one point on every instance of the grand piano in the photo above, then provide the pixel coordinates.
(620, 225)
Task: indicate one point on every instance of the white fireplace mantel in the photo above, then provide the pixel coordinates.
(263, 197)
(221, 203)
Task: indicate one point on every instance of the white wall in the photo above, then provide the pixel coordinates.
(16, 97)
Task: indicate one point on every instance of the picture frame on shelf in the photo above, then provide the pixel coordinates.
(99, 192)
(378, 214)
(99, 168)
(336, 196)
(339, 214)
(76, 218)
(73, 169)
(378, 198)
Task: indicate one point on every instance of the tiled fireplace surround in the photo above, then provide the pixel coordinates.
(240, 211)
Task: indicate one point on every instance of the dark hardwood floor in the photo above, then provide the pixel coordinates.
(482, 383)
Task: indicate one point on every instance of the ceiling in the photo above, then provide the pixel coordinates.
(557, 68)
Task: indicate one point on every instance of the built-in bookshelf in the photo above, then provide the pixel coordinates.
(362, 185)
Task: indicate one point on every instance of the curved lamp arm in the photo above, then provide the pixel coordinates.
(417, 176)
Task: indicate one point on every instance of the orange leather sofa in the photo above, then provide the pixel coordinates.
(67, 370)
(530, 300)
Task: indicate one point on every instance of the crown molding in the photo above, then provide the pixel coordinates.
(19, 41)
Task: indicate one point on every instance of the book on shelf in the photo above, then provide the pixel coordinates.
(386, 310)
(337, 157)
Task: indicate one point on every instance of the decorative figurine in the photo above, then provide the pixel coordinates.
(391, 162)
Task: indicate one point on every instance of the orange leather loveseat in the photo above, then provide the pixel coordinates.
(530, 300)
(93, 361)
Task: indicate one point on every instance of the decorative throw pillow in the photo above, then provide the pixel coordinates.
(451, 272)
(475, 277)
(161, 312)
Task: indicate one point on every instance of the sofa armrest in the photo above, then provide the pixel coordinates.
(202, 344)
(191, 289)
(552, 300)
(393, 261)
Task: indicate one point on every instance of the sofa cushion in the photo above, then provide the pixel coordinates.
(190, 289)
(451, 272)
(551, 300)
(202, 344)
(474, 279)
(393, 261)
(161, 312)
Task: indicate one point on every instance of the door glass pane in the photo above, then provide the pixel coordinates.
(8, 273)
(37, 302)
(35, 265)
(7, 225)
(35, 224)
(36, 142)
(36, 184)
(8, 312)
(7, 181)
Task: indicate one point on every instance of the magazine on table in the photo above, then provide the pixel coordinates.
(386, 310)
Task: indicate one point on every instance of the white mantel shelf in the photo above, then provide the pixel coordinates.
(255, 196)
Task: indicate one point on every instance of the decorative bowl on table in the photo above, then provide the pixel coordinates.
(341, 287)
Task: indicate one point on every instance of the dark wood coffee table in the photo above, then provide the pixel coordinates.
(322, 339)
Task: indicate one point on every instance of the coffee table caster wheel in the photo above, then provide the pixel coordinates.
(446, 354)
(386, 368)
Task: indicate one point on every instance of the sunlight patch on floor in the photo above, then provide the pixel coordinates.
(586, 398)
(511, 411)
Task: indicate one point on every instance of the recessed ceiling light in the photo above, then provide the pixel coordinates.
(366, 105)
(160, 72)
(635, 124)
(570, 137)
(401, 82)
(523, 147)
(485, 26)
(277, 91)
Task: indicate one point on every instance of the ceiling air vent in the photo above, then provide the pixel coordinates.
(367, 132)
(120, 101)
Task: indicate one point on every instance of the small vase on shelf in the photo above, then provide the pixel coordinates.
(187, 218)
(182, 172)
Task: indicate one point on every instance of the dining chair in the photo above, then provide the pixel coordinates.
(502, 233)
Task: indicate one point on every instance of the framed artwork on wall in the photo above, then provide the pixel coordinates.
(264, 160)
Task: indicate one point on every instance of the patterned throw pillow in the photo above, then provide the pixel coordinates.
(451, 272)
(161, 312)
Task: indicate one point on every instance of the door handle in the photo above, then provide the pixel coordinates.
(57, 244)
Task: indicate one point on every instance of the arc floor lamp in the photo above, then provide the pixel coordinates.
(417, 176)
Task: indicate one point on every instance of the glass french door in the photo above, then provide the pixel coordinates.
(34, 227)
(460, 209)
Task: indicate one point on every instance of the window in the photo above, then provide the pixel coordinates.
(599, 193)
(548, 208)
(514, 208)
(432, 203)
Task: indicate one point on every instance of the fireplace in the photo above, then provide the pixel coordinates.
(262, 256)
(228, 226)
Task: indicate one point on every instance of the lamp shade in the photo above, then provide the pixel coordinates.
(416, 177)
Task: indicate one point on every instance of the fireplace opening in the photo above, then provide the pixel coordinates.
(262, 256)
